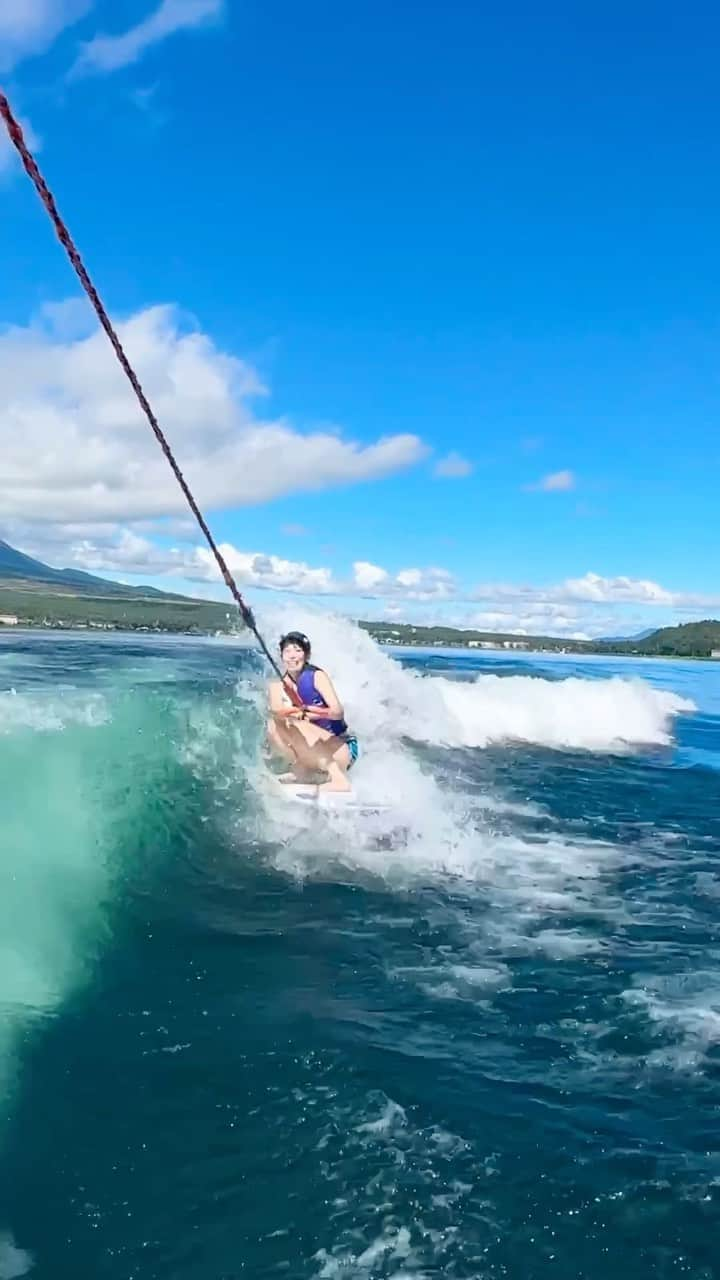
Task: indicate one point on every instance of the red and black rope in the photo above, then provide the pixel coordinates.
(18, 140)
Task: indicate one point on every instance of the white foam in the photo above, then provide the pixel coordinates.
(432, 830)
(14, 1262)
(392, 1115)
(591, 715)
(446, 833)
(47, 713)
(377, 1227)
(685, 1007)
(387, 701)
(562, 946)
(386, 1249)
(437, 832)
(474, 983)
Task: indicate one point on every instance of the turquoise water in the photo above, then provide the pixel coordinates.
(477, 1036)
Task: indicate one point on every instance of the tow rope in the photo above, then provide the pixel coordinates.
(30, 164)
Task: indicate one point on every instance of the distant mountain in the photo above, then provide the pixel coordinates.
(16, 567)
(641, 635)
(689, 639)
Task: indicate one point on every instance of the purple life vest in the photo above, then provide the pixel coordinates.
(312, 698)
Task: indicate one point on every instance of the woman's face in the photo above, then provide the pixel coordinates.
(294, 658)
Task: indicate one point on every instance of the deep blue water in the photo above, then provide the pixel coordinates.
(484, 1042)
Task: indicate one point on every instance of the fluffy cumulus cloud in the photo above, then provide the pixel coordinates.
(125, 553)
(453, 467)
(371, 580)
(75, 446)
(601, 590)
(105, 53)
(117, 551)
(587, 607)
(581, 608)
(539, 619)
(594, 589)
(83, 483)
(269, 571)
(29, 27)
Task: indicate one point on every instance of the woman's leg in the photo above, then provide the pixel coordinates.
(334, 753)
(290, 746)
(311, 749)
(297, 742)
(278, 742)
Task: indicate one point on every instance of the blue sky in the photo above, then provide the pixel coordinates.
(484, 232)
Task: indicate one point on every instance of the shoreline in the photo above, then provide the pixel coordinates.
(553, 653)
(82, 630)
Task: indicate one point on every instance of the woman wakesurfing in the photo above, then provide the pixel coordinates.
(313, 737)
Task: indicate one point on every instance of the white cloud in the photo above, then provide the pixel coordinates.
(128, 553)
(410, 584)
(76, 447)
(118, 551)
(635, 590)
(538, 619)
(110, 53)
(29, 27)
(595, 589)
(556, 482)
(453, 467)
(591, 606)
(269, 571)
(582, 608)
(369, 577)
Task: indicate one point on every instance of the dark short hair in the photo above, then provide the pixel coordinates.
(295, 637)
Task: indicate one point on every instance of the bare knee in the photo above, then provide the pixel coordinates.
(335, 753)
(280, 741)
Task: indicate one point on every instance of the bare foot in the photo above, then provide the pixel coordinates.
(299, 775)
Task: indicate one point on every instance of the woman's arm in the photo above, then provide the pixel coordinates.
(334, 709)
(278, 705)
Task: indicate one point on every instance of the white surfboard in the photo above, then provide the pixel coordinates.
(310, 794)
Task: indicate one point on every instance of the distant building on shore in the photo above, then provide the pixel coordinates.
(715, 653)
(8, 620)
